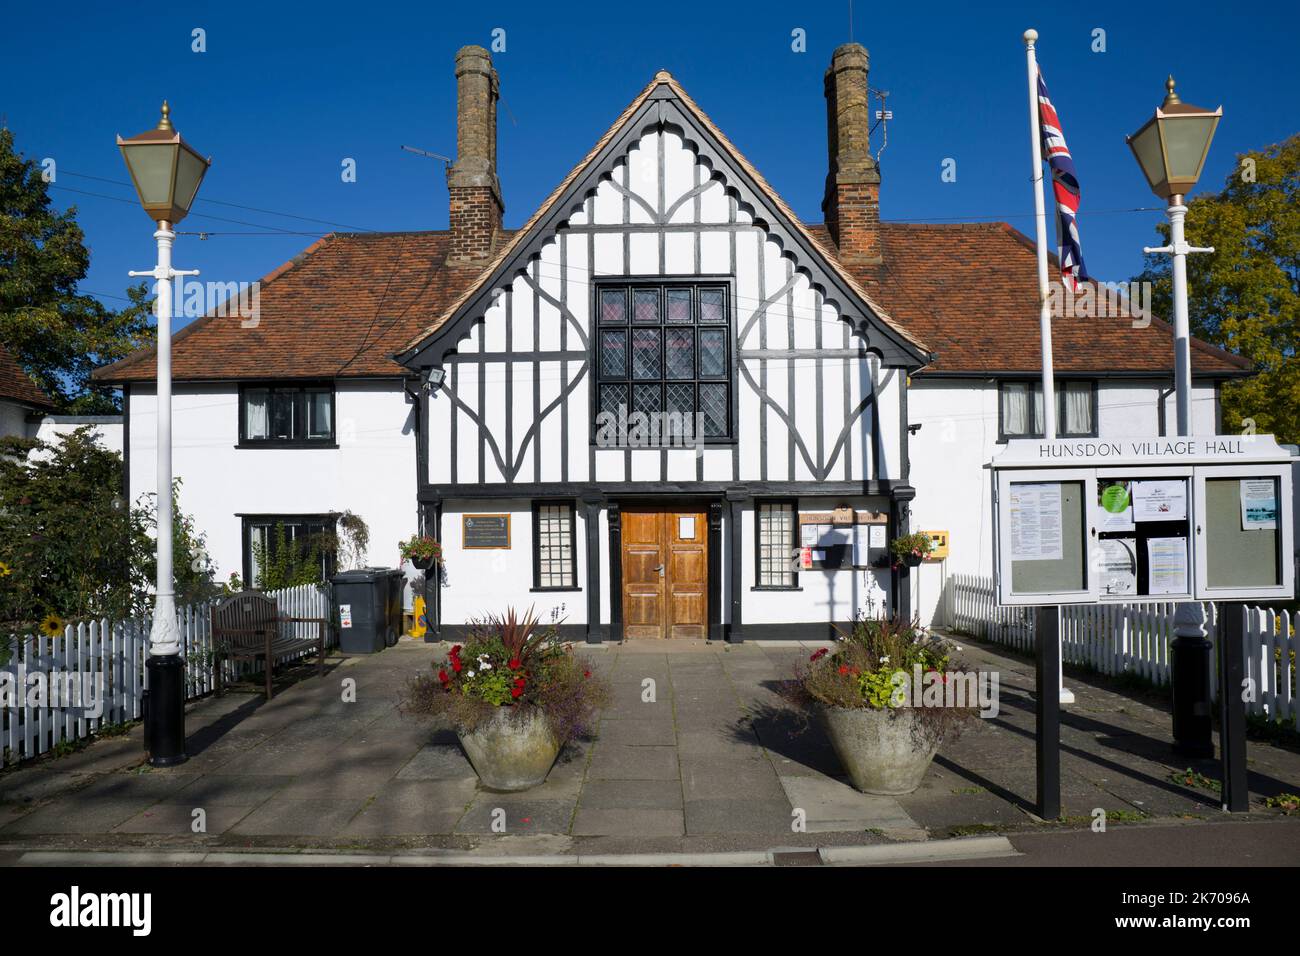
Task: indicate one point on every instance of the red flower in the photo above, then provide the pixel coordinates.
(455, 650)
(515, 663)
(586, 673)
(456, 664)
(819, 654)
(517, 692)
(442, 676)
(519, 682)
(844, 669)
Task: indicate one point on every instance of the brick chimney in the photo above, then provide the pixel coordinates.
(475, 192)
(852, 203)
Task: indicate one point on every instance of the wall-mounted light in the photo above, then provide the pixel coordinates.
(431, 378)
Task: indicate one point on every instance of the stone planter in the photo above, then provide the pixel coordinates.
(883, 751)
(510, 753)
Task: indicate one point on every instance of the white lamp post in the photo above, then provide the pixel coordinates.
(1171, 148)
(166, 172)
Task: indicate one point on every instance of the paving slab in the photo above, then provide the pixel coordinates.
(623, 762)
(295, 818)
(520, 814)
(639, 822)
(632, 795)
(438, 762)
(831, 805)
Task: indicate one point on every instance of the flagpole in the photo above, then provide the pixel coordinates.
(1040, 226)
(1065, 695)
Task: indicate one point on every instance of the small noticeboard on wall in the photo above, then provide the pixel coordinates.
(842, 539)
(480, 532)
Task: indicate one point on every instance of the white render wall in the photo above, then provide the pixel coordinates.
(107, 433)
(371, 472)
(959, 436)
(479, 582)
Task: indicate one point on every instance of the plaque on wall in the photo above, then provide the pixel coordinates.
(479, 532)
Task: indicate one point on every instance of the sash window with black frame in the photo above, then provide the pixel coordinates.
(554, 547)
(1020, 409)
(665, 351)
(776, 546)
(280, 415)
(266, 534)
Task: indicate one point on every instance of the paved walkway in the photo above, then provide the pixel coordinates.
(695, 754)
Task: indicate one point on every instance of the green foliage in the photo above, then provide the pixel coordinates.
(1288, 803)
(70, 545)
(421, 548)
(915, 544)
(57, 335)
(510, 662)
(1245, 296)
(1194, 778)
(289, 564)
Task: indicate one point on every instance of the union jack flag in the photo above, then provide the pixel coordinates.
(1065, 187)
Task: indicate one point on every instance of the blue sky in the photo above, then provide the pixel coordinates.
(283, 94)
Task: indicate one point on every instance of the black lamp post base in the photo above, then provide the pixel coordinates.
(164, 711)
(1193, 731)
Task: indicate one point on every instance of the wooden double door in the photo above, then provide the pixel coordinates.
(665, 573)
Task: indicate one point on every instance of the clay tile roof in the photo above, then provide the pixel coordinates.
(970, 291)
(17, 386)
(335, 310)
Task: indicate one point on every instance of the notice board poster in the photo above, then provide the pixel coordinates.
(1166, 565)
(1160, 500)
(1036, 522)
(1258, 504)
(1118, 565)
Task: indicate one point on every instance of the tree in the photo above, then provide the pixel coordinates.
(1245, 296)
(71, 547)
(57, 335)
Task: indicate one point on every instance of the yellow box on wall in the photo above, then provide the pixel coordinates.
(938, 543)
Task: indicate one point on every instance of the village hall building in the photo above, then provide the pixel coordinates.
(663, 407)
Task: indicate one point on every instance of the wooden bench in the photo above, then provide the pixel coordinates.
(246, 626)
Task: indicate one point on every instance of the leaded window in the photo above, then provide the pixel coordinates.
(665, 350)
(776, 545)
(554, 551)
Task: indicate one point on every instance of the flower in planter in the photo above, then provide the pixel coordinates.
(421, 549)
(521, 668)
(915, 546)
(873, 667)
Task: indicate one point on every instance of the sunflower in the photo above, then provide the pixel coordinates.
(5, 570)
(52, 625)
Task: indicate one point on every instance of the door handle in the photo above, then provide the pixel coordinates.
(660, 569)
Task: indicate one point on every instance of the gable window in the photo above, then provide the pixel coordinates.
(311, 538)
(1020, 409)
(286, 415)
(664, 350)
(776, 545)
(554, 549)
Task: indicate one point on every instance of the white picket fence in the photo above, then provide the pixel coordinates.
(1134, 639)
(54, 690)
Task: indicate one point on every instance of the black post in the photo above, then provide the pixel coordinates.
(1189, 659)
(1232, 708)
(1047, 684)
(164, 711)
